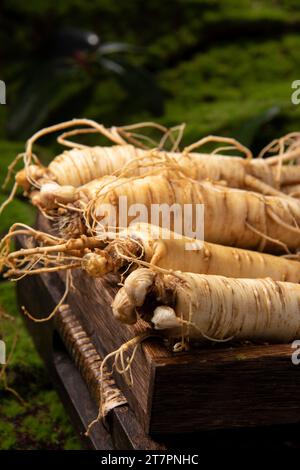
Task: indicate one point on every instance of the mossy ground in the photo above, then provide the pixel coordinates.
(224, 66)
(40, 422)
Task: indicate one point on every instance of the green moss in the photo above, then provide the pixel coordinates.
(39, 424)
(18, 211)
(8, 437)
(12, 408)
(42, 423)
(221, 88)
(49, 425)
(34, 426)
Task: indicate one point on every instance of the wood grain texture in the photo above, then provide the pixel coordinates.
(87, 360)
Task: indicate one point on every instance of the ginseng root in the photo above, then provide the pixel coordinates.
(148, 245)
(231, 217)
(292, 190)
(81, 164)
(151, 246)
(201, 307)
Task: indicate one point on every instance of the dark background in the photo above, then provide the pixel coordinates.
(221, 66)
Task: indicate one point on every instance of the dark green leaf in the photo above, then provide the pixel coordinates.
(138, 83)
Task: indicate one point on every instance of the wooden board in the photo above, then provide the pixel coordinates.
(210, 389)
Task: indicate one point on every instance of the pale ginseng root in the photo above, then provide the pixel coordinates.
(285, 146)
(292, 190)
(232, 217)
(146, 245)
(202, 307)
(81, 164)
(84, 163)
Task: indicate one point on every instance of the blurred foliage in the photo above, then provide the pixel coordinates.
(218, 63)
(231, 84)
(222, 66)
(70, 65)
